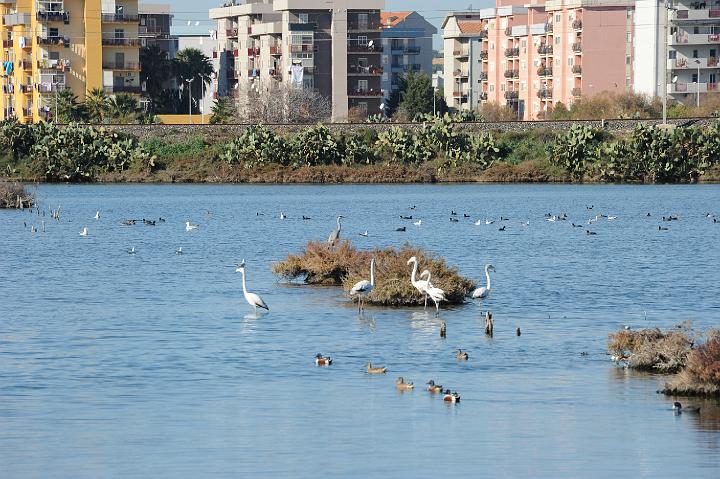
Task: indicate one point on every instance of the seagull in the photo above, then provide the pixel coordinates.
(97, 215)
(189, 226)
(527, 223)
(489, 222)
(364, 233)
(418, 223)
(84, 232)
(282, 215)
(478, 223)
(131, 250)
(179, 251)
(552, 219)
(612, 217)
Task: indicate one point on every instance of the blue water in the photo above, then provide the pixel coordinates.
(152, 365)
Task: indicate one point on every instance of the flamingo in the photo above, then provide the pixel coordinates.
(363, 288)
(253, 299)
(421, 284)
(436, 294)
(483, 291)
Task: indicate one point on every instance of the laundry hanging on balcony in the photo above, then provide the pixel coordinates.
(8, 68)
(297, 74)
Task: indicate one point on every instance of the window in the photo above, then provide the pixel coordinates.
(557, 62)
(308, 82)
(363, 20)
(672, 55)
(535, 84)
(696, 30)
(523, 86)
(363, 107)
(536, 105)
(363, 62)
(303, 18)
(571, 61)
(119, 33)
(570, 82)
(492, 45)
(119, 10)
(628, 37)
(362, 85)
(557, 40)
(694, 77)
(53, 32)
(523, 65)
(628, 81)
(523, 43)
(54, 55)
(558, 17)
(695, 54)
(713, 52)
(491, 88)
(629, 13)
(536, 62)
(712, 78)
(362, 40)
(502, 87)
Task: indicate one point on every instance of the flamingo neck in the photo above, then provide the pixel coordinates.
(414, 273)
(487, 276)
(339, 225)
(242, 271)
(372, 273)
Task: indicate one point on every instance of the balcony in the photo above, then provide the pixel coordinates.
(276, 74)
(483, 55)
(7, 43)
(276, 50)
(508, 31)
(412, 50)
(512, 52)
(577, 47)
(25, 65)
(119, 18)
(692, 87)
(483, 76)
(231, 32)
(684, 38)
(302, 48)
(50, 41)
(17, 19)
(548, 27)
(55, 65)
(483, 35)
(702, 14)
(545, 49)
(577, 25)
(253, 51)
(120, 42)
(233, 74)
(412, 67)
(366, 71)
(462, 73)
(27, 112)
(355, 46)
(512, 95)
(545, 93)
(53, 16)
(370, 26)
(372, 93)
(52, 88)
(544, 71)
(576, 92)
(512, 73)
(690, 63)
(577, 69)
(136, 90)
(483, 96)
(463, 52)
(123, 66)
(460, 94)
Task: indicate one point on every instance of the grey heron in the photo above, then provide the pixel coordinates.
(335, 235)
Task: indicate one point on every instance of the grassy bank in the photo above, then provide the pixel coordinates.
(15, 195)
(438, 152)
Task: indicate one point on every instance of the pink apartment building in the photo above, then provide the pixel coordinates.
(533, 56)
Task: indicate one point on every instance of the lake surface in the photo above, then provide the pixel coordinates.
(152, 365)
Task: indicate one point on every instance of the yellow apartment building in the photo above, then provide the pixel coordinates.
(53, 45)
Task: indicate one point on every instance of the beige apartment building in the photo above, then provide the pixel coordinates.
(53, 45)
(531, 56)
(332, 46)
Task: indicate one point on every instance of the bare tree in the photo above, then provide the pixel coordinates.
(277, 102)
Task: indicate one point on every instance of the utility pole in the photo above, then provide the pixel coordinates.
(189, 81)
(698, 85)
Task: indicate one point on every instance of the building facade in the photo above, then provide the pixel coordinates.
(407, 41)
(531, 57)
(677, 49)
(206, 44)
(155, 22)
(332, 46)
(53, 45)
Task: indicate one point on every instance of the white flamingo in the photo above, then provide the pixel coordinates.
(253, 299)
(420, 285)
(436, 294)
(84, 232)
(363, 288)
(483, 291)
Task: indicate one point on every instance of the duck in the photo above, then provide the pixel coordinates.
(489, 222)
(400, 229)
(84, 232)
(434, 388)
(451, 397)
(478, 222)
(678, 408)
(454, 220)
(663, 228)
(590, 233)
(189, 226)
(462, 355)
(322, 361)
(305, 218)
(402, 217)
(378, 370)
(283, 215)
(453, 213)
(131, 250)
(501, 229)
(179, 251)
(518, 332)
(612, 217)
(401, 385)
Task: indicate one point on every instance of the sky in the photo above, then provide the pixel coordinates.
(433, 10)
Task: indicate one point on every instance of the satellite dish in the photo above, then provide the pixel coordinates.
(674, 78)
(382, 106)
(189, 23)
(371, 43)
(197, 23)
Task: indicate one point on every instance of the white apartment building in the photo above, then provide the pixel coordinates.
(336, 42)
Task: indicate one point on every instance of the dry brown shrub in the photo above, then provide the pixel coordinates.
(14, 195)
(702, 374)
(652, 349)
(344, 265)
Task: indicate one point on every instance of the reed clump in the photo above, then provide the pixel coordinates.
(344, 265)
(701, 376)
(14, 195)
(653, 349)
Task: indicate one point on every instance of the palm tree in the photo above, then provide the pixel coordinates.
(123, 108)
(96, 104)
(68, 107)
(192, 64)
(155, 71)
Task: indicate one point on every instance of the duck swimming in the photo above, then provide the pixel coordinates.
(434, 388)
(322, 361)
(678, 408)
(451, 397)
(378, 370)
(401, 385)
(462, 355)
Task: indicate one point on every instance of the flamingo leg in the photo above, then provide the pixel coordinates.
(426, 296)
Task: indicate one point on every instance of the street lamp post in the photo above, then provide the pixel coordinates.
(189, 81)
(668, 8)
(202, 99)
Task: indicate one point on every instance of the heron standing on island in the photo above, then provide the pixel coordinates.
(335, 235)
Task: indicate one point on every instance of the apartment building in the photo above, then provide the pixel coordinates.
(407, 40)
(533, 56)
(155, 21)
(677, 48)
(332, 46)
(52, 45)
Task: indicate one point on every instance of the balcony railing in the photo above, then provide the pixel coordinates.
(276, 50)
(121, 42)
(123, 89)
(365, 93)
(48, 16)
(483, 34)
(508, 31)
(548, 27)
(412, 67)
(459, 94)
(231, 32)
(370, 26)
(483, 95)
(130, 66)
(512, 95)
(412, 50)
(57, 65)
(460, 73)
(577, 25)
(463, 52)
(120, 18)
(544, 72)
(7, 43)
(483, 55)
(363, 47)
(253, 51)
(577, 47)
(64, 41)
(544, 93)
(512, 73)
(512, 52)
(577, 69)
(361, 70)
(545, 49)
(576, 92)
(483, 76)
